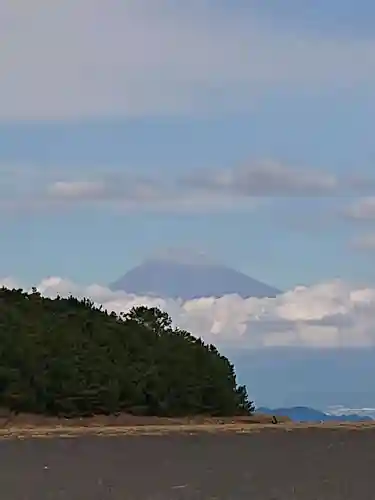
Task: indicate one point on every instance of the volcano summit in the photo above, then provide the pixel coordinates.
(187, 275)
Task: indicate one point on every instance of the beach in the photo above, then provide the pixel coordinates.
(269, 464)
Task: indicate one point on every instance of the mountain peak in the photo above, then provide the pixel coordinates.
(181, 255)
(187, 275)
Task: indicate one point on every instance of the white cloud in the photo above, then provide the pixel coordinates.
(119, 190)
(365, 242)
(236, 188)
(329, 315)
(362, 212)
(362, 209)
(339, 410)
(76, 189)
(140, 57)
(267, 178)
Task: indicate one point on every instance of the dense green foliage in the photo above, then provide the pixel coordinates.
(67, 357)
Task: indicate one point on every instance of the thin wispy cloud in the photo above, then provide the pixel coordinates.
(266, 179)
(122, 191)
(365, 242)
(242, 187)
(362, 209)
(81, 58)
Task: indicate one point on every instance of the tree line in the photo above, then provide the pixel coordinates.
(68, 357)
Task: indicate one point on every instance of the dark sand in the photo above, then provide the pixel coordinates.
(305, 464)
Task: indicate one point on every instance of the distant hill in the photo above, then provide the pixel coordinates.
(189, 276)
(306, 414)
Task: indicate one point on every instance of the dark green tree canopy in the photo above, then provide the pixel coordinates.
(67, 357)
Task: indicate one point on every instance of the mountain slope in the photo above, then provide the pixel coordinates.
(190, 279)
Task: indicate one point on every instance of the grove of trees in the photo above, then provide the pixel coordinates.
(69, 358)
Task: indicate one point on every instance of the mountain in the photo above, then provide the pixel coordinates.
(306, 414)
(189, 275)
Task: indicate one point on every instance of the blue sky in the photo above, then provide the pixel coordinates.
(101, 131)
(338, 17)
(243, 129)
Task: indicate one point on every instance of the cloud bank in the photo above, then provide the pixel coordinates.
(156, 57)
(343, 410)
(267, 178)
(200, 190)
(238, 187)
(325, 315)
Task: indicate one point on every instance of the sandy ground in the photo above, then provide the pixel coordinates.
(279, 463)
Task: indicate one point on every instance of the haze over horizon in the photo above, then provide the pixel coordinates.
(242, 131)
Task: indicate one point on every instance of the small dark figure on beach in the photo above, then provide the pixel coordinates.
(274, 419)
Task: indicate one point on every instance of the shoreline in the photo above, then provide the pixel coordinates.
(58, 431)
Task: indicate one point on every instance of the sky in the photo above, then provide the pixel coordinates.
(242, 129)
